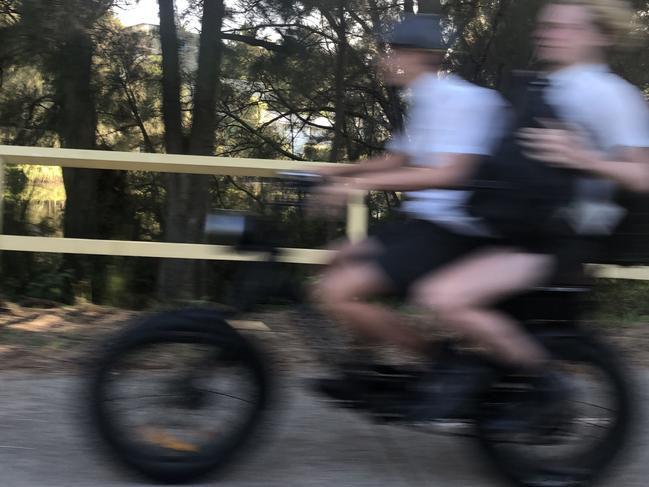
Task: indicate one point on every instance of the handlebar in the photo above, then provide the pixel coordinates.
(244, 229)
(303, 179)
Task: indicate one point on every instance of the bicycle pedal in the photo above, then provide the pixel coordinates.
(386, 417)
(346, 404)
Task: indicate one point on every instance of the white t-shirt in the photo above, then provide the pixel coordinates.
(612, 113)
(448, 115)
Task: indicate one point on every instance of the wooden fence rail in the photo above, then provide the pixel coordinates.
(357, 215)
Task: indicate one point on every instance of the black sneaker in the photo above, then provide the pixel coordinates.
(341, 389)
(542, 411)
(378, 388)
(450, 387)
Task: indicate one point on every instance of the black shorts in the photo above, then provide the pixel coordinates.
(413, 248)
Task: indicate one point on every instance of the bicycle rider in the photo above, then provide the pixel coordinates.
(451, 125)
(573, 39)
(607, 142)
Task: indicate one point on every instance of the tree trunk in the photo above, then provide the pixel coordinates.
(209, 68)
(187, 194)
(174, 275)
(340, 105)
(76, 126)
(202, 138)
(171, 110)
(409, 6)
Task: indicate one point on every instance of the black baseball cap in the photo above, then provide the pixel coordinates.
(422, 31)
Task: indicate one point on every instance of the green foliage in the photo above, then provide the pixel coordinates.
(48, 286)
(16, 181)
(621, 302)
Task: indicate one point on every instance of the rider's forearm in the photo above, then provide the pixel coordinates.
(409, 179)
(630, 170)
(632, 176)
(389, 162)
(454, 170)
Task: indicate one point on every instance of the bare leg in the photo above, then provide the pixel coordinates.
(463, 292)
(341, 292)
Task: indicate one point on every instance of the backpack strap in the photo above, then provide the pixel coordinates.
(517, 91)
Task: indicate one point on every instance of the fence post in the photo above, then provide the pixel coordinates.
(3, 167)
(2, 193)
(357, 217)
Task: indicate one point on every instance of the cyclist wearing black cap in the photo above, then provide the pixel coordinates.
(450, 126)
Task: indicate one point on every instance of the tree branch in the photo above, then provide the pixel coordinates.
(253, 41)
(263, 137)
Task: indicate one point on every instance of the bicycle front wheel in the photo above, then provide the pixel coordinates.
(177, 395)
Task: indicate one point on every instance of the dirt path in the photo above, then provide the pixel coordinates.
(62, 339)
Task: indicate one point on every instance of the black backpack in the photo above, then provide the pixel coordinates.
(516, 196)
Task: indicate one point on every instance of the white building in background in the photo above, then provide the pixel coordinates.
(299, 135)
(296, 134)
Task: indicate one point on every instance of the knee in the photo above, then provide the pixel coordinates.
(328, 291)
(445, 302)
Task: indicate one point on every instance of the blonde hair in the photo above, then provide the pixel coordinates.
(613, 17)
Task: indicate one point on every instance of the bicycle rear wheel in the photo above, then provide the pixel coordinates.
(583, 434)
(177, 395)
